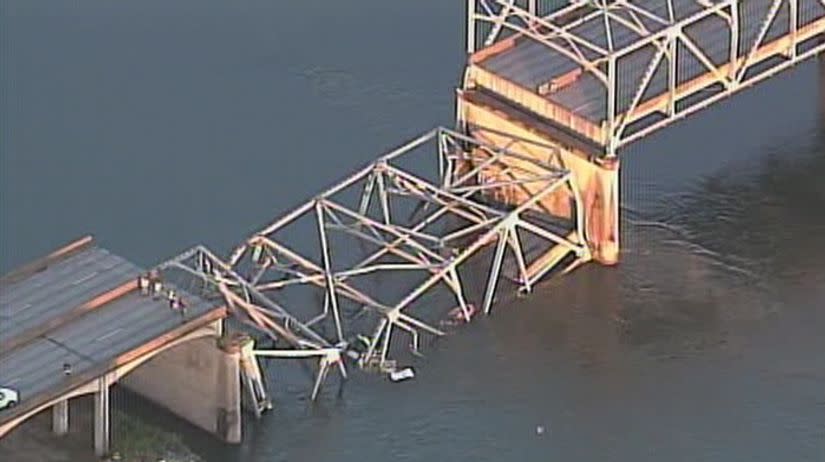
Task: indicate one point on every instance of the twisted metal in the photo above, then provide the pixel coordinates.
(414, 218)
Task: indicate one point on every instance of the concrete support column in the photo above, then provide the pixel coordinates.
(60, 417)
(102, 422)
(601, 203)
(198, 382)
(597, 177)
(228, 394)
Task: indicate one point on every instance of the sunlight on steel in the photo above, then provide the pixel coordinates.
(631, 67)
(452, 179)
(463, 170)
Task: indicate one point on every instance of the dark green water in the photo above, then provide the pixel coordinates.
(157, 125)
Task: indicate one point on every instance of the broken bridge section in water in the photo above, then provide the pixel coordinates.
(389, 250)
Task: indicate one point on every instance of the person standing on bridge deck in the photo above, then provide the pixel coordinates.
(178, 305)
(157, 289)
(174, 303)
(143, 284)
(182, 307)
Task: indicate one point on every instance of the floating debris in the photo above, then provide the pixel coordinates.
(401, 375)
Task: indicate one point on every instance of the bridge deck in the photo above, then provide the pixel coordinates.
(532, 64)
(82, 309)
(48, 295)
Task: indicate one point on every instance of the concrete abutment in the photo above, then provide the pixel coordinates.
(197, 381)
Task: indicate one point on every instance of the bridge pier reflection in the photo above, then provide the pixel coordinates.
(821, 60)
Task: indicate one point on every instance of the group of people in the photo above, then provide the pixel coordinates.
(151, 285)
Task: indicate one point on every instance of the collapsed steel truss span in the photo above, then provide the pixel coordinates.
(631, 67)
(405, 225)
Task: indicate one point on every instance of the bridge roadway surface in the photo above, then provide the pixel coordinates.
(529, 63)
(80, 306)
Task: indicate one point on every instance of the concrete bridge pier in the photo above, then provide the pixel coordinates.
(596, 176)
(102, 417)
(601, 204)
(199, 381)
(60, 417)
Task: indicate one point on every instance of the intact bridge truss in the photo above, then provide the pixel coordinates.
(387, 251)
(645, 64)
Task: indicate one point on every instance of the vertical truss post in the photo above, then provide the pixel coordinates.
(376, 337)
(383, 197)
(253, 379)
(734, 39)
(385, 347)
(333, 299)
(323, 369)
(495, 270)
(455, 284)
(443, 159)
(471, 26)
(515, 244)
(607, 29)
(366, 196)
(673, 79)
(793, 10)
(610, 143)
(441, 152)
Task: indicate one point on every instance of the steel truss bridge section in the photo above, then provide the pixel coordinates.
(364, 259)
(632, 67)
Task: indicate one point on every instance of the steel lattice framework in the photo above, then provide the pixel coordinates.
(653, 62)
(412, 218)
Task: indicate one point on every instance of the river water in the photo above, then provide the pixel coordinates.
(160, 124)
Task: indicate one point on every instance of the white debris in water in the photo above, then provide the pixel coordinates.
(403, 374)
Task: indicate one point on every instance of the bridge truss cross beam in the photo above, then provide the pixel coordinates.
(358, 262)
(657, 61)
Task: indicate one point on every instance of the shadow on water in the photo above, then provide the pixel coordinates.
(763, 219)
(739, 244)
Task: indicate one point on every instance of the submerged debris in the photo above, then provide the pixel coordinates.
(457, 315)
